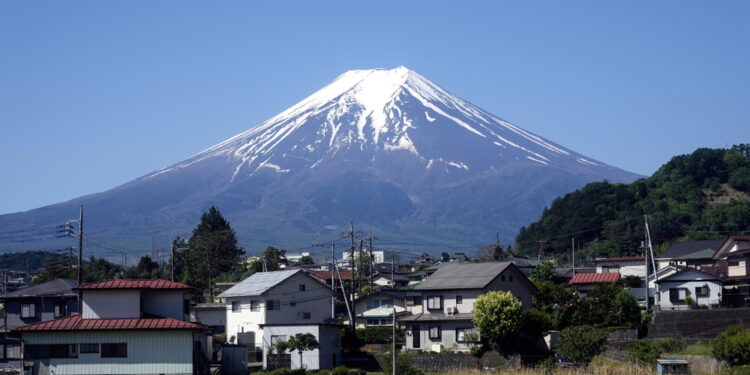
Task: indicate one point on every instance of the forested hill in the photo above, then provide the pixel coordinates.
(702, 195)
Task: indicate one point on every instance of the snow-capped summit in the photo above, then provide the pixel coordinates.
(385, 110)
(386, 148)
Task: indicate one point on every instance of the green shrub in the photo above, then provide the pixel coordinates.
(286, 371)
(403, 365)
(670, 345)
(737, 370)
(582, 343)
(536, 322)
(643, 353)
(733, 346)
(343, 370)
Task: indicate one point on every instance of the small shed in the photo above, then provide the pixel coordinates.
(672, 366)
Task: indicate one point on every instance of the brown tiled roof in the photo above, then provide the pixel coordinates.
(345, 275)
(595, 278)
(134, 284)
(75, 323)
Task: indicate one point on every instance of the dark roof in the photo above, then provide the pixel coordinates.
(724, 248)
(595, 278)
(436, 317)
(707, 276)
(619, 259)
(75, 323)
(683, 249)
(464, 276)
(56, 287)
(118, 284)
(386, 292)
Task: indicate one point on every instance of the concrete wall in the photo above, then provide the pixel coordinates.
(149, 352)
(106, 304)
(703, 324)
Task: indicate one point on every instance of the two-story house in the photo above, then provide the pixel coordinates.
(39, 303)
(273, 306)
(447, 300)
(691, 254)
(125, 327)
(734, 256)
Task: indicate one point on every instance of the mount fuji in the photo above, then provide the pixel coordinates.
(385, 148)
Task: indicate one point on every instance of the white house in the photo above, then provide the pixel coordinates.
(289, 302)
(447, 300)
(625, 266)
(376, 309)
(702, 289)
(126, 327)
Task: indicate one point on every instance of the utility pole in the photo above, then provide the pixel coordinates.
(372, 262)
(541, 249)
(573, 248)
(80, 246)
(351, 235)
(333, 281)
(393, 353)
(646, 249)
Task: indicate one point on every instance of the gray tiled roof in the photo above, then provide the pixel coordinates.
(56, 287)
(463, 276)
(684, 249)
(258, 284)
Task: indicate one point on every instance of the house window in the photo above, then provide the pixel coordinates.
(418, 300)
(734, 263)
(2, 351)
(510, 278)
(502, 277)
(28, 310)
(186, 306)
(610, 269)
(118, 350)
(379, 322)
(459, 300)
(373, 303)
(89, 348)
(275, 339)
(701, 291)
(301, 287)
(255, 305)
(303, 315)
(460, 334)
(435, 332)
(272, 304)
(677, 294)
(292, 304)
(63, 351)
(435, 303)
(386, 303)
(61, 309)
(236, 306)
(13, 351)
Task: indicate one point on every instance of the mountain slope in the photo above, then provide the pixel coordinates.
(386, 148)
(703, 195)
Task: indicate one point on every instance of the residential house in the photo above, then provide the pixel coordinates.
(583, 282)
(212, 315)
(734, 256)
(625, 266)
(395, 281)
(273, 306)
(376, 309)
(447, 300)
(39, 303)
(688, 288)
(125, 327)
(693, 254)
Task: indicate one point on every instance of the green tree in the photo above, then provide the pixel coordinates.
(545, 271)
(625, 311)
(497, 316)
(272, 257)
(556, 300)
(305, 259)
(643, 353)
(581, 344)
(211, 250)
(301, 342)
(146, 269)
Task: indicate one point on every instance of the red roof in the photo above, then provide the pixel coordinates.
(345, 275)
(75, 323)
(595, 278)
(620, 259)
(134, 284)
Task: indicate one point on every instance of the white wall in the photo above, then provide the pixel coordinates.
(149, 352)
(626, 268)
(168, 304)
(107, 304)
(328, 337)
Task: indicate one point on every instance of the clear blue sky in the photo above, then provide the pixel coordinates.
(96, 93)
